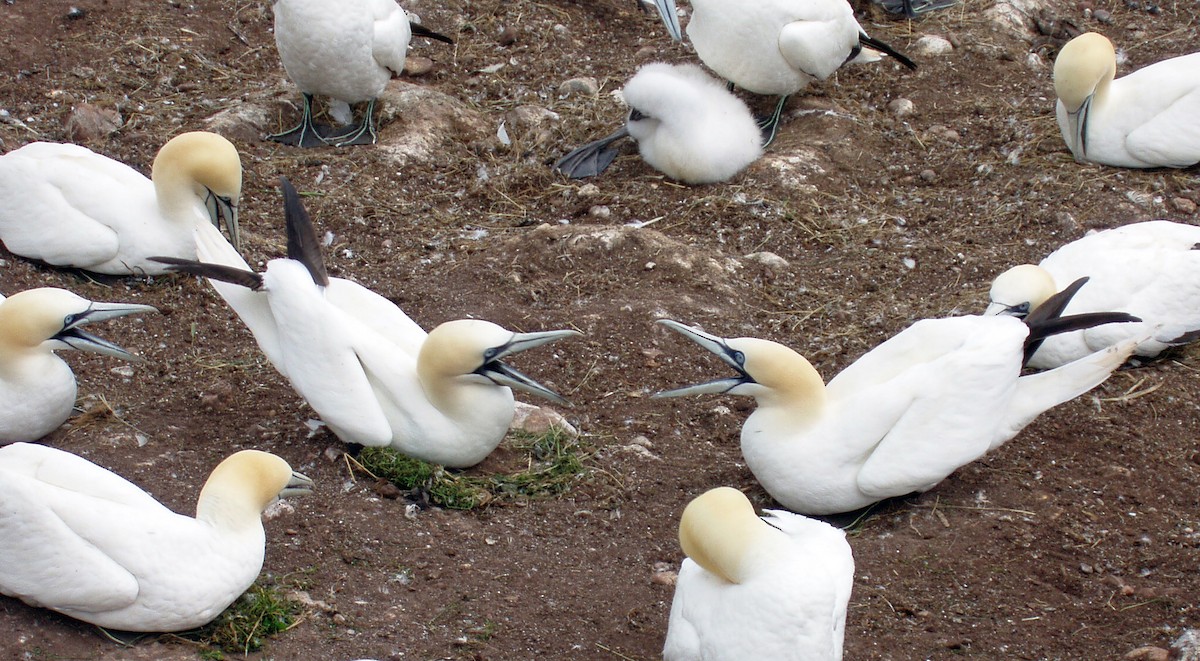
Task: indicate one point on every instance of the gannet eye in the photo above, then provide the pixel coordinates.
(739, 357)
(1022, 309)
(70, 319)
(490, 354)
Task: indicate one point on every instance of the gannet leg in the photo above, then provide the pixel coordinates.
(361, 134)
(590, 159)
(307, 134)
(770, 126)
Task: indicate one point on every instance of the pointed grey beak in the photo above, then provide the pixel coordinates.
(76, 338)
(299, 485)
(223, 209)
(670, 17)
(996, 308)
(503, 375)
(730, 356)
(1079, 120)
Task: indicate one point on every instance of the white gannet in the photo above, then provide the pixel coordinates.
(1150, 270)
(347, 51)
(905, 415)
(81, 540)
(68, 206)
(771, 588)
(687, 126)
(374, 376)
(1146, 119)
(776, 47)
(37, 388)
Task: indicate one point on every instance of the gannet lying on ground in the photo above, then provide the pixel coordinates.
(776, 47)
(687, 126)
(771, 588)
(83, 541)
(374, 376)
(37, 388)
(900, 419)
(69, 206)
(1146, 119)
(347, 51)
(1150, 270)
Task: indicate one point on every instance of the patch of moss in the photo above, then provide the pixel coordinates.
(244, 626)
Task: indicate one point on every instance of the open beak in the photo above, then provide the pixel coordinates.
(994, 308)
(224, 210)
(670, 17)
(76, 338)
(504, 375)
(299, 485)
(730, 356)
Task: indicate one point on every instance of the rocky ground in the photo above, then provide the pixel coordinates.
(889, 196)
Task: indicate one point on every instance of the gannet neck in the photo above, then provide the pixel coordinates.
(1084, 69)
(719, 530)
(1020, 290)
(240, 488)
(191, 168)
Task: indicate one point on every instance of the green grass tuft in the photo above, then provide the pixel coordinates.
(242, 628)
(555, 461)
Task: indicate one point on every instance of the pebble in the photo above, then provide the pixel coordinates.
(928, 175)
(600, 211)
(507, 36)
(585, 85)
(417, 65)
(1183, 205)
(768, 259)
(1187, 646)
(931, 44)
(1148, 653)
(1103, 16)
(902, 107)
(88, 122)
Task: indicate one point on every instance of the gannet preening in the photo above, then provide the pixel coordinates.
(687, 126)
(347, 51)
(776, 47)
(1146, 119)
(68, 206)
(771, 588)
(1150, 270)
(374, 376)
(900, 419)
(37, 388)
(83, 541)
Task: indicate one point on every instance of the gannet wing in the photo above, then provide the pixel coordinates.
(377, 313)
(816, 47)
(392, 34)
(65, 470)
(1171, 137)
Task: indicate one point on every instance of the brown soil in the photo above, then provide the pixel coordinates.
(1077, 540)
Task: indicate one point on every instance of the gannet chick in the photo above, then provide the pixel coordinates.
(37, 388)
(371, 373)
(68, 206)
(1146, 119)
(687, 126)
(776, 47)
(83, 541)
(901, 418)
(1150, 270)
(771, 588)
(346, 51)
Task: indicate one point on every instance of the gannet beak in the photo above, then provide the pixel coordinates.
(299, 485)
(223, 209)
(1079, 120)
(504, 375)
(670, 17)
(76, 338)
(1018, 311)
(732, 357)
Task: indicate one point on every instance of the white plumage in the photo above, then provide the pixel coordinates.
(83, 541)
(374, 376)
(772, 588)
(37, 388)
(1150, 270)
(1146, 119)
(900, 419)
(69, 206)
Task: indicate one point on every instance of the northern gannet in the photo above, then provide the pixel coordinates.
(687, 126)
(900, 419)
(68, 206)
(37, 388)
(1150, 270)
(1146, 119)
(80, 540)
(347, 51)
(374, 376)
(771, 588)
(776, 47)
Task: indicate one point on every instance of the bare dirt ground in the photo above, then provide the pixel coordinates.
(1077, 540)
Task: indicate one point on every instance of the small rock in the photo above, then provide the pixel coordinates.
(537, 420)
(768, 259)
(600, 211)
(88, 123)
(385, 489)
(244, 121)
(1183, 205)
(531, 123)
(645, 52)
(928, 175)
(1102, 15)
(74, 13)
(585, 85)
(1187, 646)
(902, 107)
(1148, 653)
(588, 190)
(507, 36)
(930, 45)
(417, 65)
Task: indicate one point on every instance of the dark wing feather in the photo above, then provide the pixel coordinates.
(302, 243)
(884, 48)
(422, 31)
(236, 276)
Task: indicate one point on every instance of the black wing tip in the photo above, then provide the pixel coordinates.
(882, 47)
(232, 275)
(302, 244)
(422, 31)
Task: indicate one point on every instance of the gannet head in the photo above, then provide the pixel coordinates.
(1085, 65)
(670, 17)
(241, 487)
(472, 350)
(208, 166)
(766, 370)
(1020, 290)
(52, 317)
(717, 531)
